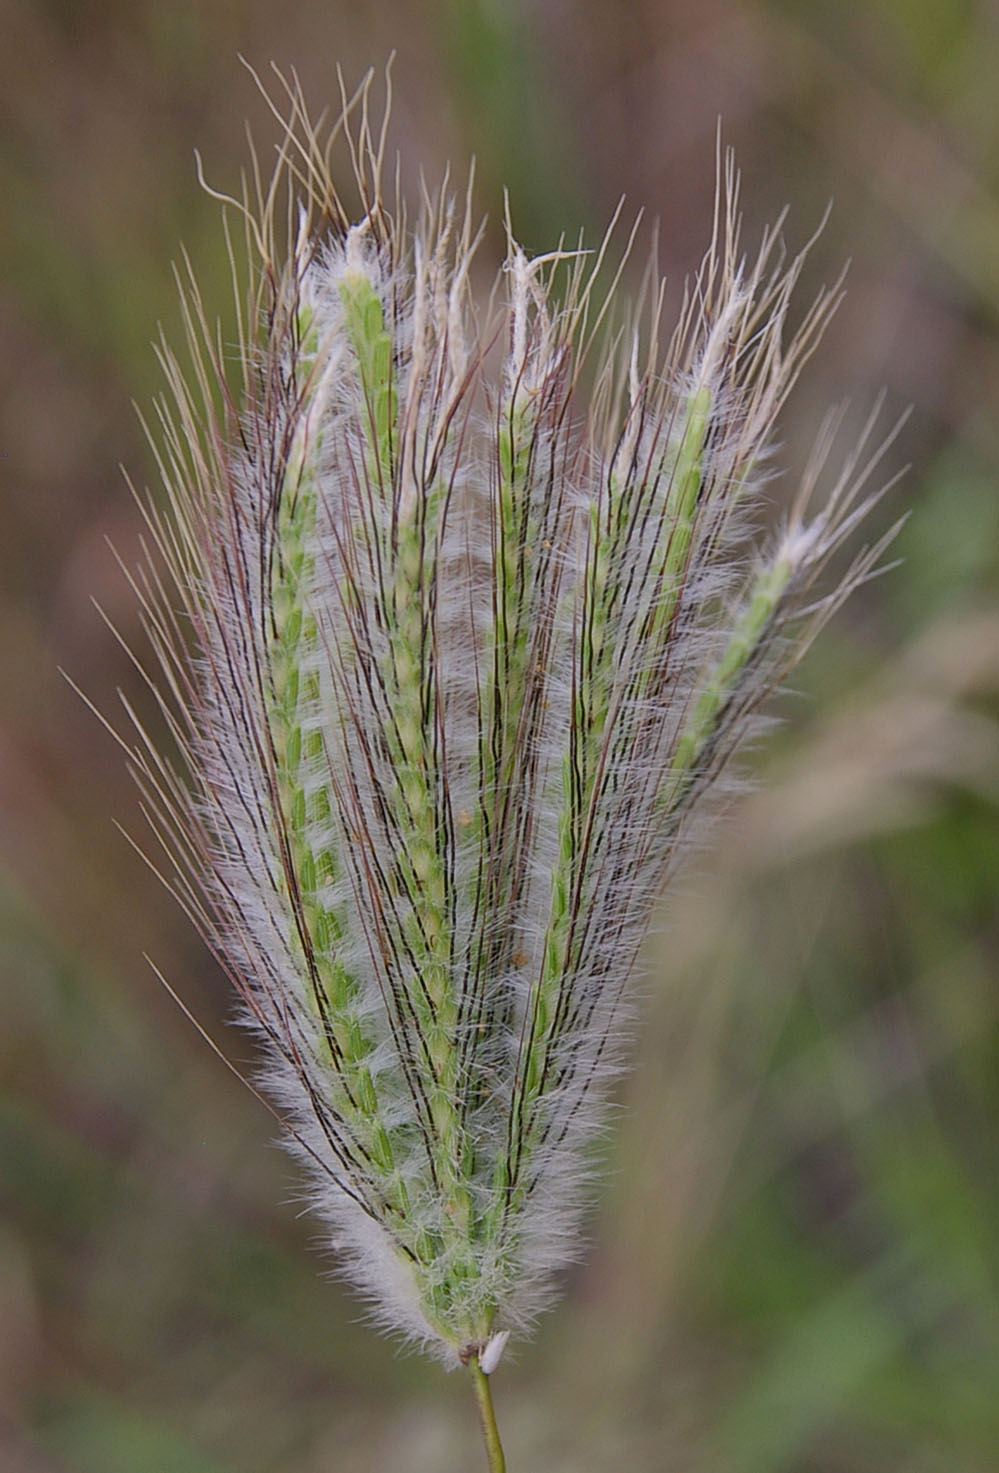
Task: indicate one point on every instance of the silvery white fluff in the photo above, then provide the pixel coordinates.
(454, 651)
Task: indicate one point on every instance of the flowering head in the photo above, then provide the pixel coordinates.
(453, 654)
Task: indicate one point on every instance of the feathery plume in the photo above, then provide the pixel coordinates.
(453, 655)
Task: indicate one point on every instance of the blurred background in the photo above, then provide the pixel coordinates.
(793, 1260)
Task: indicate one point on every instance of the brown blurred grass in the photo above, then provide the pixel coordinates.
(791, 1262)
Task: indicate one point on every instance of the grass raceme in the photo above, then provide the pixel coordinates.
(459, 613)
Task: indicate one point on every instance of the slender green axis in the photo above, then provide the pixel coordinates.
(487, 1416)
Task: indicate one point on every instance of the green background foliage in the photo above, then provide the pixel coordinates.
(792, 1268)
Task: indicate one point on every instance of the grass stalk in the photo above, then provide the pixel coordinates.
(487, 1416)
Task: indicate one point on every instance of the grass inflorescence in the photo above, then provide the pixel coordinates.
(458, 617)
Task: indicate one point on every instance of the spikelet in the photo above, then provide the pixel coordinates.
(453, 656)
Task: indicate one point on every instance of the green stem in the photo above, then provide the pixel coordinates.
(490, 1432)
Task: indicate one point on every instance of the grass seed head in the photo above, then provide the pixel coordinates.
(453, 653)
